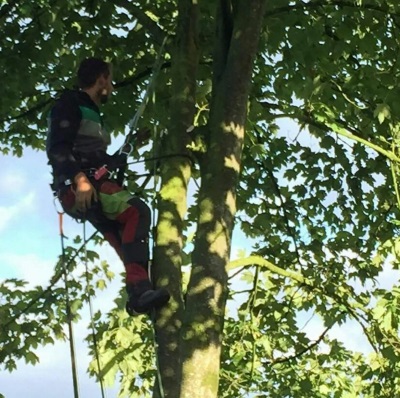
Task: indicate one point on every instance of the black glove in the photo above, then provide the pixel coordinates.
(117, 160)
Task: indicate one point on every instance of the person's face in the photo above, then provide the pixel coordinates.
(105, 88)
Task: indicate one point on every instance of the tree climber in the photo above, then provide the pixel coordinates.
(76, 148)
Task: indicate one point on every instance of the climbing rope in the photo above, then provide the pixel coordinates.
(155, 344)
(153, 312)
(89, 300)
(126, 147)
(156, 70)
(68, 310)
(69, 314)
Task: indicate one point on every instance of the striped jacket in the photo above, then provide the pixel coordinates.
(76, 139)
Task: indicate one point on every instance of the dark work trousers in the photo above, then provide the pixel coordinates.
(123, 220)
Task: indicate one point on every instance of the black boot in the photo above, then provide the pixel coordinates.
(142, 298)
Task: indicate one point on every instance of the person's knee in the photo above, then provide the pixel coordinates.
(144, 222)
(142, 207)
(136, 252)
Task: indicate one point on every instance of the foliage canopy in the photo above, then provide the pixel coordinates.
(321, 201)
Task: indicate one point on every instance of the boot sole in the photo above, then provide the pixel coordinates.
(157, 300)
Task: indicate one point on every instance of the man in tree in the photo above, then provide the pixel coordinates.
(76, 148)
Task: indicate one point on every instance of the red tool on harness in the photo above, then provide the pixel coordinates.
(100, 172)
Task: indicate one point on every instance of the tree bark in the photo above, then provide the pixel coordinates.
(239, 25)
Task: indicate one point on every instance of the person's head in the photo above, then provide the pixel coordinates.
(95, 77)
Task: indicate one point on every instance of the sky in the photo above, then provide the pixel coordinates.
(29, 248)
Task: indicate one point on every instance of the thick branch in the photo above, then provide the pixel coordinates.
(207, 290)
(223, 38)
(257, 260)
(232, 86)
(339, 127)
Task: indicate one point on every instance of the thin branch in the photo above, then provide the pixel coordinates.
(7, 8)
(351, 308)
(240, 270)
(147, 72)
(394, 170)
(250, 308)
(28, 112)
(357, 317)
(301, 352)
(328, 3)
(348, 132)
(137, 12)
(291, 231)
(236, 292)
(141, 75)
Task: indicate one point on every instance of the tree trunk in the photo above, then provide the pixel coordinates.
(239, 26)
(172, 204)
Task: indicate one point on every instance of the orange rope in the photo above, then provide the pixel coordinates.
(60, 221)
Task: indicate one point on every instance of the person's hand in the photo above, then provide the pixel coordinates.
(85, 193)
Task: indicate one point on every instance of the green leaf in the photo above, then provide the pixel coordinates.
(382, 112)
(75, 306)
(30, 357)
(101, 284)
(324, 389)
(387, 321)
